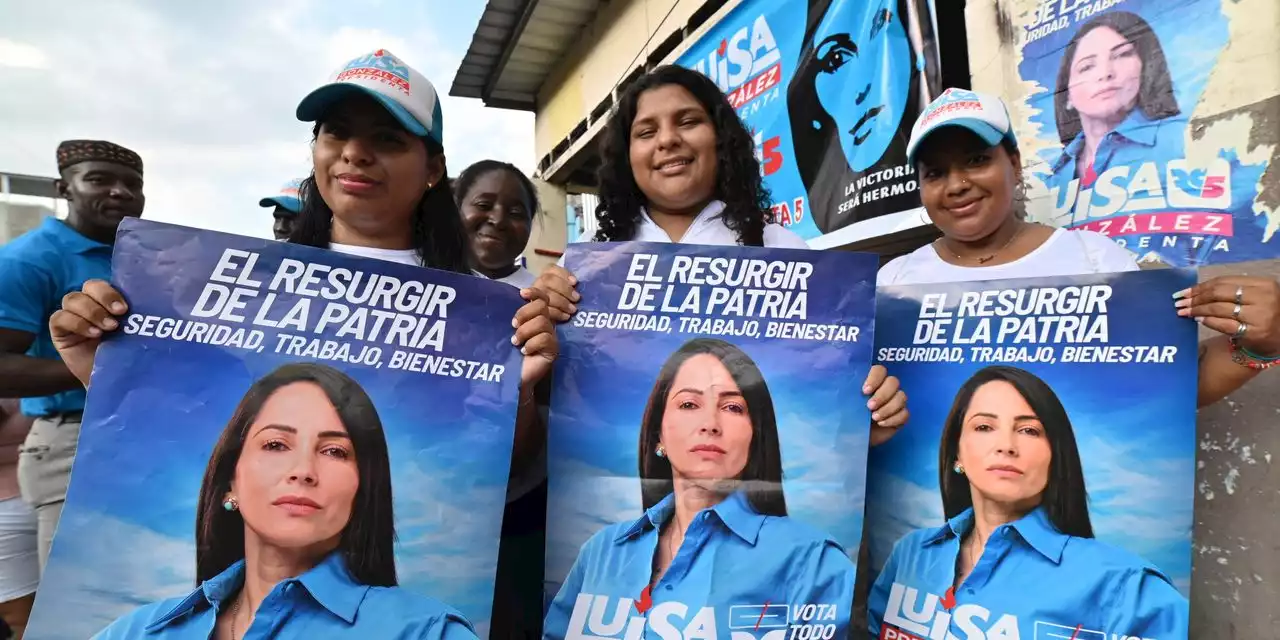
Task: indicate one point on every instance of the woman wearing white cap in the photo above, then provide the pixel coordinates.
(971, 186)
(379, 189)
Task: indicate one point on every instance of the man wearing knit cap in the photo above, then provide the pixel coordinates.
(102, 183)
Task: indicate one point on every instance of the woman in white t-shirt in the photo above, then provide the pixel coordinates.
(970, 169)
(678, 165)
(498, 203)
(378, 189)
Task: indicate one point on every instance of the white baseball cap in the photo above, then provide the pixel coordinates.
(407, 94)
(980, 113)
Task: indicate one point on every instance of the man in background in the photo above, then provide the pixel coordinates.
(287, 205)
(102, 183)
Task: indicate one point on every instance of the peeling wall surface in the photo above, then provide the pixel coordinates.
(1235, 574)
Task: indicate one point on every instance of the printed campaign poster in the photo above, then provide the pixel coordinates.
(831, 90)
(714, 391)
(1150, 121)
(225, 332)
(1067, 403)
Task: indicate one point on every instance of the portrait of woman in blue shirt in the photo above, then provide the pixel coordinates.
(1017, 556)
(295, 529)
(1114, 106)
(714, 550)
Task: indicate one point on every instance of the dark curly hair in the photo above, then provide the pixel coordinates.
(438, 234)
(738, 181)
(463, 183)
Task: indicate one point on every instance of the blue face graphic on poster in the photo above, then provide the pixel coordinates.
(864, 76)
(829, 89)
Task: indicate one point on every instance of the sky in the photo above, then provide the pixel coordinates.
(206, 92)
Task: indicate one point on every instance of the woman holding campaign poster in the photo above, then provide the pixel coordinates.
(714, 538)
(1018, 547)
(971, 185)
(296, 508)
(679, 166)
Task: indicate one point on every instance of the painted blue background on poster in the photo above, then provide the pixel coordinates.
(156, 408)
(830, 89)
(604, 376)
(1141, 170)
(1135, 424)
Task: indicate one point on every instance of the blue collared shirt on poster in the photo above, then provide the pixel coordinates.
(1135, 141)
(36, 270)
(324, 602)
(1031, 582)
(736, 572)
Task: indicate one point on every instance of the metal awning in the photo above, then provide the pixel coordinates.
(515, 47)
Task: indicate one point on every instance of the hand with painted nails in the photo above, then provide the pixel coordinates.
(1243, 307)
(560, 288)
(888, 404)
(536, 337)
(77, 328)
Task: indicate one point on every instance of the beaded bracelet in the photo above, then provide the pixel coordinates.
(1243, 356)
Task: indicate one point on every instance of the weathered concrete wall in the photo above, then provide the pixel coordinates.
(1235, 574)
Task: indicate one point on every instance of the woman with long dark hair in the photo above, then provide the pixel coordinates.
(295, 530)
(378, 189)
(715, 531)
(1114, 78)
(1018, 542)
(678, 165)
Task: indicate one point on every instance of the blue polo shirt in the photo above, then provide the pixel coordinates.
(36, 270)
(325, 602)
(1031, 582)
(738, 574)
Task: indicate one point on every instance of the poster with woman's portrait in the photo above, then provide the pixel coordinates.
(1150, 121)
(276, 409)
(831, 89)
(707, 442)
(1043, 486)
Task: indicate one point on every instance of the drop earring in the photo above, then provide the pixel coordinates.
(959, 468)
(230, 504)
(661, 451)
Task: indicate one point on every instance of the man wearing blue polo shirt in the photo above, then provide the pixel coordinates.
(102, 183)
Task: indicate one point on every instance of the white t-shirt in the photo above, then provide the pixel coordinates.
(709, 228)
(1065, 253)
(403, 256)
(522, 278)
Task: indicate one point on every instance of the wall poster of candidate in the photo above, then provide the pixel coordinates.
(701, 422)
(268, 395)
(1150, 121)
(831, 89)
(1043, 486)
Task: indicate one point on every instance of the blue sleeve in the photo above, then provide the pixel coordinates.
(878, 597)
(1147, 605)
(27, 295)
(132, 624)
(450, 626)
(826, 580)
(556, 623)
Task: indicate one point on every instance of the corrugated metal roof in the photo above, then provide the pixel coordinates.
(515, 47)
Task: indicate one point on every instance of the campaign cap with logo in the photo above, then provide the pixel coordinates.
(984, 115)
(399, 88)
(287, 198)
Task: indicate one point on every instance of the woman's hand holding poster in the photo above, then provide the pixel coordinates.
(270, 395)
(707, 439)
(1044, 486)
